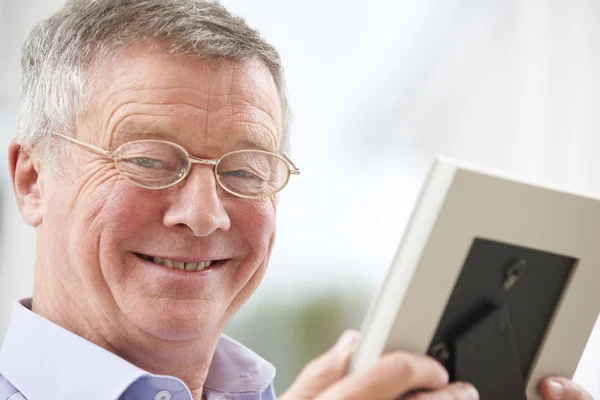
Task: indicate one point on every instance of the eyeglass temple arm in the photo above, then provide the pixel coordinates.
(293, 170)
(89, 146)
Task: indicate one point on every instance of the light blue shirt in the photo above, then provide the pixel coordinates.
(43, 361)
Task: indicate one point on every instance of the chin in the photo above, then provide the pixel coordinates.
(177, 322)
(176, 333)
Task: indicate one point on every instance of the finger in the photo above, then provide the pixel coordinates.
(390, 377)
(556, 388)
(454, 391)
(323, 371)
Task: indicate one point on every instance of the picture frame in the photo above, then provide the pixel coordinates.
(448, 283)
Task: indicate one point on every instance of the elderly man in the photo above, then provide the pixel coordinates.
(150, 150)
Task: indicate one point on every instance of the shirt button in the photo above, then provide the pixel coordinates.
(163, 395)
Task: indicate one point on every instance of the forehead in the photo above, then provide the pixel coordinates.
(145, 92)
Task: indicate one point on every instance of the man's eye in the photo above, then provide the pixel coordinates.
(239, 173)
(147, 162)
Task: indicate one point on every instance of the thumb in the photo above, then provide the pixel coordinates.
(557, 388)
(323, 371)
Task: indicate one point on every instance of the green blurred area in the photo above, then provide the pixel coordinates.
(289, 335)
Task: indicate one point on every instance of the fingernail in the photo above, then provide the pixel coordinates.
(469, 391)
(556, 389)
(345, 343)
(472, 393)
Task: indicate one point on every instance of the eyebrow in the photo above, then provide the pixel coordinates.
(248, 144)
(135, 131)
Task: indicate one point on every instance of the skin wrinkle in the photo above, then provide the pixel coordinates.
(207, 119)
(106, 127)
(114, 127)
(256, 107)
(106, 167)
(259, 273)
(237, 122)
(123, 135)
(118, 137)
(264, 95)
(169, 89)
(82, 178)
(257, 124)
(78, 329)
(166, 90)
(141, 130)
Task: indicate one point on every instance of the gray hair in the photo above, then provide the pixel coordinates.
(60, 51)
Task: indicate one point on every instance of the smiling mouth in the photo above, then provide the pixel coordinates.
(183, 266)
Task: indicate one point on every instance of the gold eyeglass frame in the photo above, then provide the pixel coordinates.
(292, 169)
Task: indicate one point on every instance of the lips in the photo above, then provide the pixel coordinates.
(178, 264)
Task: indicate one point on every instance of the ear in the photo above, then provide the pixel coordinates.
(27, 183)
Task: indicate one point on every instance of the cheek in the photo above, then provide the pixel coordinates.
(74, 201)
(103, 223)
(255, 220)
(126, 214)
(79, 215)
(127, 208)
(116, 212)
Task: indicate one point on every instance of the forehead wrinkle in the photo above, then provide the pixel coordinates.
(263, 124)
(188, 131)
(207, 120)
(150, 104)
(255, 107)
(138, 122)
(166, 94)
(243, 94)
(237, 109)
(274, 108)
(251, 139)
(192, 118)
(253, 114)
(258, 133)
(136, 131)
(157, 95)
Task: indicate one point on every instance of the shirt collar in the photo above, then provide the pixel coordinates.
(66, 366)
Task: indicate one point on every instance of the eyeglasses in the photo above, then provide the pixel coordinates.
(158, 164)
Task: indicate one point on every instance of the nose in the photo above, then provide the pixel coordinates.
(197, 205)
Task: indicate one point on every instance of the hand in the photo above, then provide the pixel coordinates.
(394, 375)
(562, 389)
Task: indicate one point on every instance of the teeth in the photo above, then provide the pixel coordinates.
(202, 265)
(178, 264)
(190, 266)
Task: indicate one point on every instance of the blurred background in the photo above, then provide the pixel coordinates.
(378, 88)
